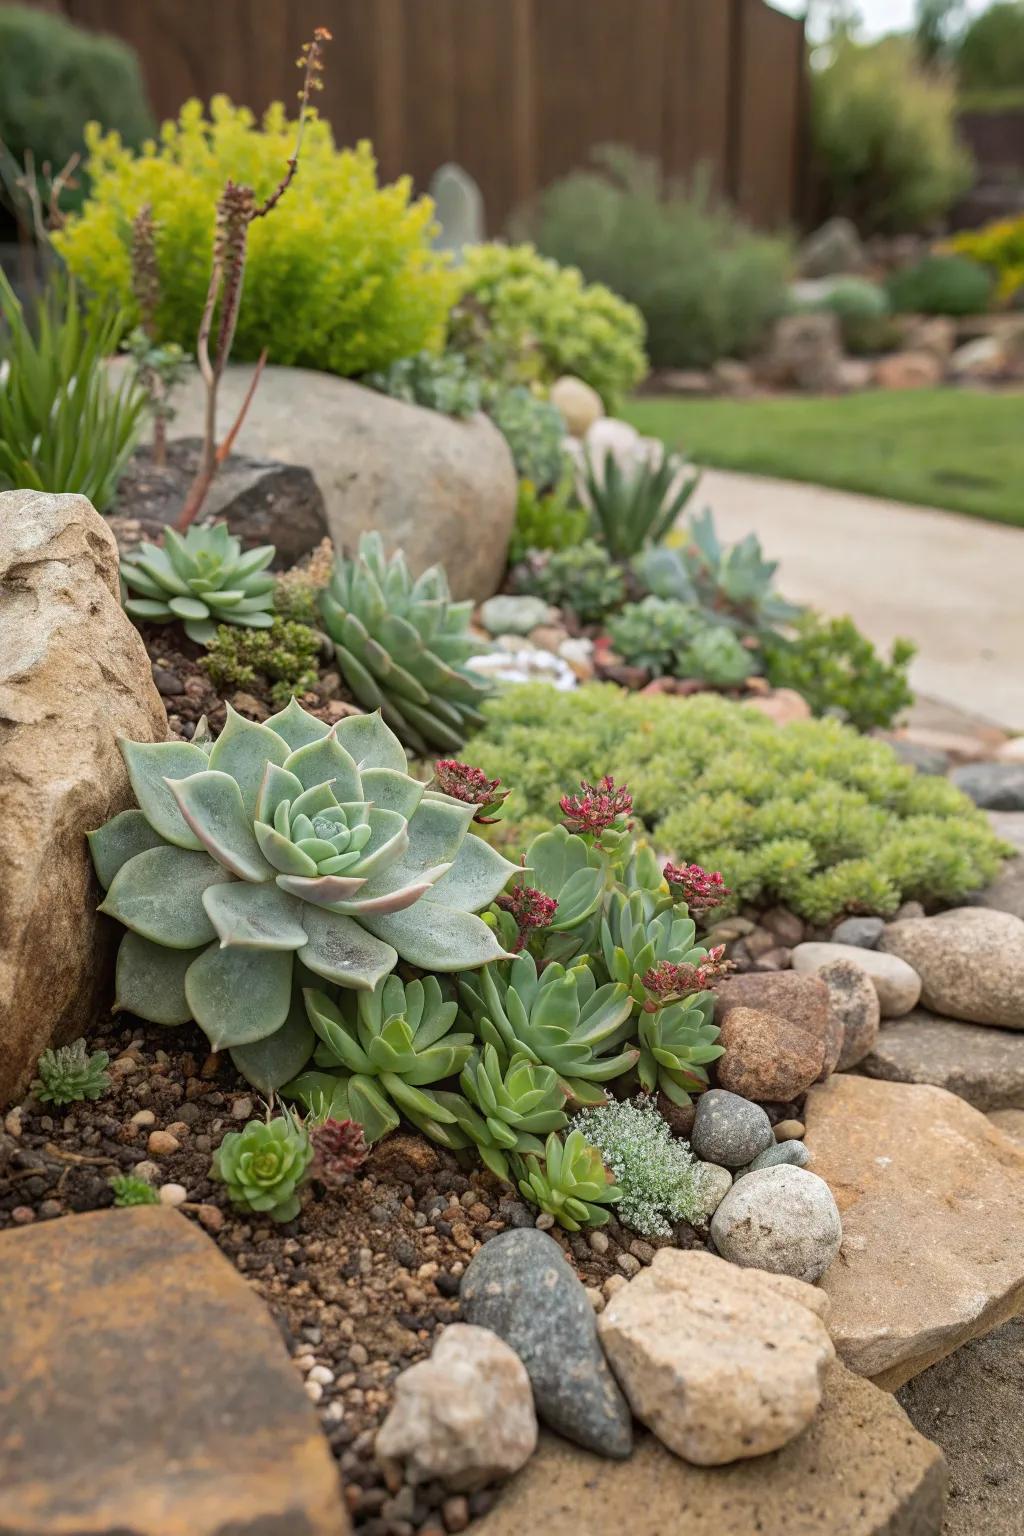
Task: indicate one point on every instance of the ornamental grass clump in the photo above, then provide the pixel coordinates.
(659, 1181)
(69, 1073)
(265, 1165)
(281, 856)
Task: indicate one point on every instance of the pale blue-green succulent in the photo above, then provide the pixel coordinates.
(283, 854)
(201, 577)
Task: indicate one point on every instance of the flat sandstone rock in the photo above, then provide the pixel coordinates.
(145, 1390)
(931, 1194)
(983, 1065)
(860, 1469)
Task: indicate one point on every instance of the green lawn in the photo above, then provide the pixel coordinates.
(940, 448)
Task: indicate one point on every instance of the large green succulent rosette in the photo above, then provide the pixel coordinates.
(279, 856)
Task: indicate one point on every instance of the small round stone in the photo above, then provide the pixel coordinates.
(784, 1220)
(211, 1217)
(146, 1170)
(314, 1391)
(729, 1130)
(162, 1143)
(172, 1194)
(793, 1153)
(789, 1130)
(321, 1373)
(143, 1117)
(595, 1297)
(23, 1215)
(598, 1242)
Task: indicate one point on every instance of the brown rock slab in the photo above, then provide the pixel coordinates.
(860, 1469)
(985, 1066)
(74, 675)
(802, 1000)
(970, 1404)
(766, 1057)
(145, 1390)
(930, 1194)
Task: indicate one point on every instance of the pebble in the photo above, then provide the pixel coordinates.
(146, 1170)
(598, 1241)
(321, 1373)
(861, 932)
(162, 1143)
(314, 1391)
(715, 1184)
(595, 1297)
(784, 1220)
(143, 1117)
(172, 1194)
(168, 683)
(789, 1130)
(13, 1122)
(241, 1109)
(729, 1130)
(520, 1287)
(455, 1513)
(612, 1284)
(629, 1265)
(793, 1153)
(898, 985)
(23, 1215)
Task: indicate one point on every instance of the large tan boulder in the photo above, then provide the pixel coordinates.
(74, 675)
(970, 960)
(931, 1194)
(441, 489)
(860, 1469)
(722, 1363)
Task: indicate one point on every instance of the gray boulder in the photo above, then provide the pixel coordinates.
(833, 249)
(994, 786)
(520, 1286)
(782, 1219)
(441, 489)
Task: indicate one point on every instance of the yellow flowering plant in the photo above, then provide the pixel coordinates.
(1000, 246)
(345, 280)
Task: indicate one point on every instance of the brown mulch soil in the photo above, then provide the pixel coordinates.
(188, 693)
(360, 1283)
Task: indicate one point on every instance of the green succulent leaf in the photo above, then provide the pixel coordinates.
(149, 766)
(159, 894)
(211, 804)
(436, 938)
(150, 980)
(119, 840)
(271, 1062)
(239, 995)
(341, 950)
(255, 916)
(243, 749)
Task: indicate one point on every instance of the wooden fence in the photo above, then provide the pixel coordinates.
(516, 91)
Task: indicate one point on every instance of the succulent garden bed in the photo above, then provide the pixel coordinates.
(507, 970)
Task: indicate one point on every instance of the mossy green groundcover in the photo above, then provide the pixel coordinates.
(811, 815)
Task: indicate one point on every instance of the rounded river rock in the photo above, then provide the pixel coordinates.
(520, 1286)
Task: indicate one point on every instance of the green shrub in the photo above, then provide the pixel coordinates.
(523, 319)
(991, 52)
(55, 78)
(534, 431)
(813, 815)
(64, 425)
(439, 382)
(864, 314)
(839, 672)
(584, 578)
(654, 633)
(549, 520)
(706, 285)
(716, 656)
(999, 246)
(885, 136)
(285, 655)
(942, 284)
(346, 281)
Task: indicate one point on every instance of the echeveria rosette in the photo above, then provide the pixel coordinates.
(283, 853)
(203, 578)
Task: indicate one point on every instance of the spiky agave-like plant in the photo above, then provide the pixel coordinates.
(282, 853)
(402, 646)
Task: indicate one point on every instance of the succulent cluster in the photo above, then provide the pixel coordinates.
(265, 1165)
(284, 855)
(201, 577)
(402, 647)
(339, 1150)
(128, 1189)
(69, 1074)
(583, 577)
(534, 430)
(284, 656)
(438, 381)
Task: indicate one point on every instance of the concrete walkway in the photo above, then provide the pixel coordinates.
(954, 585)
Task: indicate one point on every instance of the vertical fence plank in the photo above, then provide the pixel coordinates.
(518, 91)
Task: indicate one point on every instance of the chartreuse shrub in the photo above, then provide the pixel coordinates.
(55, 78)
(999, 247)
(347, 282)
(521, 318)
(402, 646)
(280, 856)
(813, 815)
(706, 284)
(839, 672)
